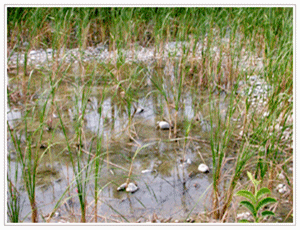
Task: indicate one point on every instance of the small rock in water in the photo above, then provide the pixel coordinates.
(203, 168)
(146, 171)
(185, 162)
(121, 187)
(131, 188)
(190, 220)
(196, 185)
(139, 110)
(163, 125)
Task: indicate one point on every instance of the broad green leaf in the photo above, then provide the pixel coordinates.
(246, 194)
(249, 206)
(265, 201)
(262, 192)
(267, 213)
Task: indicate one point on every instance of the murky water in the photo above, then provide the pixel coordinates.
(168, 186)
(166, 171)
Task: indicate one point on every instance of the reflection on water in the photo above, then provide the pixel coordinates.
(168, 186)
(13, 116)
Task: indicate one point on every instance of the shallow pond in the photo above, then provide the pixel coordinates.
(165, 170)
(170, 185)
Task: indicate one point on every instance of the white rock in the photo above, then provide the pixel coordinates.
(203, 168)
(189, 161)
(49, 51)
(146, 171)
(32, 52)
(139, 110)
(281, 188)
(281, 176)
(131, 188)
(244, 215)
(266, 114)
(252, 78)
(163, 125)
(121, 187)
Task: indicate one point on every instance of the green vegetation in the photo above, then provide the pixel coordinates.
(120, 55)
(257, 202)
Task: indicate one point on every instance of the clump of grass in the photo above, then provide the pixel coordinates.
(13, 201)
(224, 37)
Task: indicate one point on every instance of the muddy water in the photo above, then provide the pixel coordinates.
(165, 172)
(168, 185)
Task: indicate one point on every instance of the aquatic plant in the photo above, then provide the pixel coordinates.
(211, 50)
(13, 201)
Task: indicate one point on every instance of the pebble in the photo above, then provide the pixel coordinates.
(266, 114)
(185, 162)
(190, 220)
(131, 188)
(49, 51)
(203, 168)
(189, 161)
(244, 215)
(121, 187)
(139, 110)
(281, 188)
(146, 171)
(163, 125)
(252, 78)
(32, 52)
(281, 176)
(196, 185)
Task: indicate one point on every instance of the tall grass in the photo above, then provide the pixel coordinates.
(226, 38)
(14, 205)
(29, 158)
